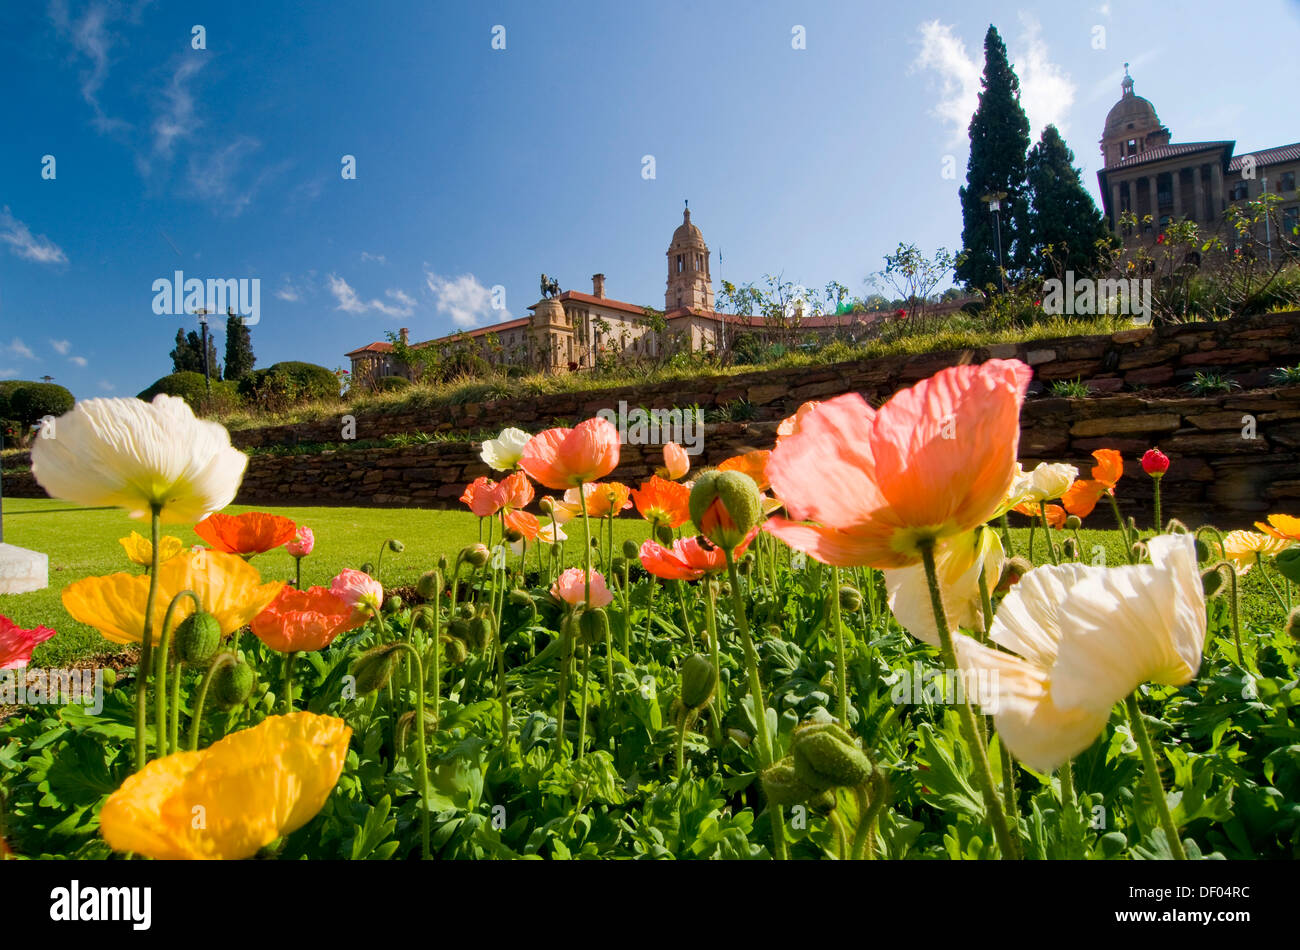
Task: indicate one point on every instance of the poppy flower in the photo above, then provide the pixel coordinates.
(303, 620)
(359, 591)
(253, 532)
(502, 453)
(688, 559)
(566, 458)
(523, 522)
(139, 549)
(790, 424)
(127, 453)
(16, 643)
(1155, 463)
(546, 534)
(753, 464)
(481, 497)
(663, 502)
(302, 542)
(1055, 513)
(1084, 494)
(1083, 638)
(513, 492)
(1051, 480)
(676, 462)
(1243, 548)
(570, 587)
(560, 510)
(934, 462)
(1282, 527)
(228, 587)
(603, 499)
(251, 787)
(958, 563)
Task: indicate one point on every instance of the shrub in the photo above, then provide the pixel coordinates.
(29, 402)
(282, 385)
(388, 384)
(188, 385)
(1208, 384)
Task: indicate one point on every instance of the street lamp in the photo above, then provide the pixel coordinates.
(202, 314)
(1268, 230)
(995, 199)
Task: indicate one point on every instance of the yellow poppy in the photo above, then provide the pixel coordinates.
(227, 586)
(140, 550)
(233, 798)
(1240, 547)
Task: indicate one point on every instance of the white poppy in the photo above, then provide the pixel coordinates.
(127, 453)
(1083, 638)
(502, 454)
(957, 564)
(1050, 480)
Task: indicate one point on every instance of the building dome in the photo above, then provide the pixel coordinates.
(1131, 114)
(686, 232)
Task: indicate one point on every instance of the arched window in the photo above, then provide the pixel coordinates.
(681, 266)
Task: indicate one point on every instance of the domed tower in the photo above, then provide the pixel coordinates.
(1132, 126)
(689, 283)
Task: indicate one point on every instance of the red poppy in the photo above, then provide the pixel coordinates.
(305, 620)
(253, 532)
(753, 464)
(481, 497)
(688, 559)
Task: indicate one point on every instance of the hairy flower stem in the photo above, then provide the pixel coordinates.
(1259, 563)
(161, 730)
(414, 656)
(582, 716)
(869, 807)
(966, 717)
(146, 652)
(760, 702)
(1006, 534)
(1047, 533)
(1152, 774)
(297, 573)
(1155, 489)
(686, 619)
(1123, 527)
(711, 625)
(841, 661)
(289, 659)
(196, 718)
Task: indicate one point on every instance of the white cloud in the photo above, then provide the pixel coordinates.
(1046, 91)
(218, 176)
(32, 247)
(77, 360)
(404, 307)
(288, 292)
(377, 258)
(61, 346)
(90, 37)
(106, 386)
(176, 118)
(19, 348)
(463, 298)
(350, 302)
(8, 373)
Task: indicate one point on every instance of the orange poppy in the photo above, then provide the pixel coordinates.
(753, 464)
(607, 499)
(663, 502)
(1284, 527)
(523, 522)
(566, 458)
(1085, 493)
(304, 620)
(481, 497)
(253, 532)
(688, 559)
(513, 491)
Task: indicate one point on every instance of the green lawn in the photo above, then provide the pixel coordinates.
(82, 542)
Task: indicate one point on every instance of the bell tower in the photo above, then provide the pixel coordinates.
(689, 282)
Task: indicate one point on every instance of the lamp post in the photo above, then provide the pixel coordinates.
(995, 199)
(1268, 229)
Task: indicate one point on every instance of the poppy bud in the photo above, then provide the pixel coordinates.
(631, 549)
(198, 638)
(1155, 463)
(519, 598)
(595, 544)
(1212, 581)
(825, 756)
(617, 566)
(1073, 522)
(745, 565)
(232, 684)
(783, 787)
(850, 598)
(373, 668)
(593, 626)
(393, 604)
(397, 547)
(512, 536)
(457, 652)
(442, 564)
(1202, 550)
(476, 555)
(1070, 548)
(1174, 526)
(368, 568)
(699, 680)
(1139, 550)
(407, 720)
(429, 584)
(480, 631)
(725, 506)
(546, 505)
(459, 628)
(466, 611)
(1015, 568)
(664, 535)
(1293, 624)
(110, 677)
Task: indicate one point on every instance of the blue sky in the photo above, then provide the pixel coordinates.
(480, 167)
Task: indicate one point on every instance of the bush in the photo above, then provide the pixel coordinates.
(388, 384)
(286, 384)
(29, 402)
(188, 385)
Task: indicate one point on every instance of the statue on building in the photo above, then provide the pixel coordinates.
(550, 286)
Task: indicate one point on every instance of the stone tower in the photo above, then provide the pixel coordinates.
(1132, 126)
(550, 333)
(689, 282)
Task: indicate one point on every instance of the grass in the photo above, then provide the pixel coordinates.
(82, 542)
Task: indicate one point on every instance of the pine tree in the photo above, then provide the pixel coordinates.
(1062, 214)
(239, 347)
(999, 139)
(186, 356)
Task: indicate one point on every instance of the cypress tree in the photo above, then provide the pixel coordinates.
(239, 347)
(999, 139)
(186, 357)
(1062, 213)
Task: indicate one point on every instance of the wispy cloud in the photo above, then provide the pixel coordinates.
(62, 347)
(18, 348)
(350, 302)
(1046, 91)
(106, 386)
(176, 118)
(377, 258)
(31, 247)
(92, 40)
(77, 360)
(220, 177)
(404, 307)
(8, 373)
(288, 293)
(463, 298)
(347, 298)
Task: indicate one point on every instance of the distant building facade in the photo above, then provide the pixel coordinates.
(1145, 172)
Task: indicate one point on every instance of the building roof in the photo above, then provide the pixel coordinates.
(1161, 152)
(686, 232)
(609, 302)
(371, 348)
(1268, 156)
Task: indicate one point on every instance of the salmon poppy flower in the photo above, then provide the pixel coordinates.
(303, 620)
(790, 424)
(253, 532)
(524, 522)
(302, 542)
(481, 496)
(571, 588)
(16, 644)
(688, 559)
(228, 587)
(608, 499)
(359, 590)
(660, 501)
(567, 458)
(1282, 527)
(753, 464)
(251, 787)
(676, 462)
(935, 461)
(513, 492)
(1084, 494)
(139, 549)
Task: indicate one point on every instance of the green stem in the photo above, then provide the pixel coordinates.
(582, 716)
(1259, 563)
(414, 655)
(711, 625)
(1156, 493)
(686, 620)
(1047, 532)
(173, 732)
(160, 661)
(501, 685)
(146, 652)
(297, 573)
(1006, 534)
(196, 718)
(288, 680)
(869, 807)
(841, 661)
(1123, 526)
(681, 744)
(969, 727)
(1152, 774)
